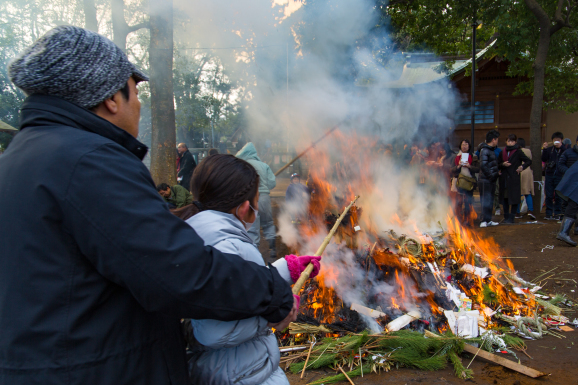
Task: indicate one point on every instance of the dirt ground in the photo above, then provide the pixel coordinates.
(526, 245)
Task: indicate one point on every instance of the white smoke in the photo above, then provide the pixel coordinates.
(308, 66)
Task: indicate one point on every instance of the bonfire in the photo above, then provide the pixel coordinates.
(387, 282)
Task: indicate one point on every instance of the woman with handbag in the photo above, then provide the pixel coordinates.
(511, 162)
(463, 181)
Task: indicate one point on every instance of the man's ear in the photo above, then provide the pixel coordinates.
(111, 104)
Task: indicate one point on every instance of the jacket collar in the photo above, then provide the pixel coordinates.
(46, 110)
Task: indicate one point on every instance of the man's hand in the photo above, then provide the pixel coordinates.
(507, 164)
(291, 317)
(545, 145)
(520, 169)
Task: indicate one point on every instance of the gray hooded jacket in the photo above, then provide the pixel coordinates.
(267, 180)
(243, 352)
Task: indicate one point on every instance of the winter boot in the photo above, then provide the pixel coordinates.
(564, 234)
(273, 251)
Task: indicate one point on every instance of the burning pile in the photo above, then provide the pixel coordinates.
(396, 286)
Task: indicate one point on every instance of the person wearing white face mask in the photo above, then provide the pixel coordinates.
(551, 157)
(243, 352)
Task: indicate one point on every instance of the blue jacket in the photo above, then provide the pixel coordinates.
(243, 352)
(567, 159)
(95, 272)
(568, 186)
(267, 180)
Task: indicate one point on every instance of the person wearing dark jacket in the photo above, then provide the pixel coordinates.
(95, 272)
(568, 190)
(186, 166)
(551, 156)
(511, 163)
(567, 159)
(488, 175)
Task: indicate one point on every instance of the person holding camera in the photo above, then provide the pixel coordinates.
(551, 156)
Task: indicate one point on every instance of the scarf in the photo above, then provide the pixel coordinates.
(509, 152)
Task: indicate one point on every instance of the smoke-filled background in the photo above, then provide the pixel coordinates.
(279, 71)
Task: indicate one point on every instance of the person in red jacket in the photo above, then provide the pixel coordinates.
(463, 165)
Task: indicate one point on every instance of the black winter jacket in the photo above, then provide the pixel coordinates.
(568, 186)
(488, 165)
(510, 181)
(551, 156)
(95, 272)
(567, 159)
(188, 165)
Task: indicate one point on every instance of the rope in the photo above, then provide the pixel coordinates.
(521, 324)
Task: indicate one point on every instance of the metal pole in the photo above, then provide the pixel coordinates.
(474, 26)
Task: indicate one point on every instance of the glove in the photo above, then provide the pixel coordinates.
(297, 265)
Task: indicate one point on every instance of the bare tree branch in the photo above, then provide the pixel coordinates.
(136, 27)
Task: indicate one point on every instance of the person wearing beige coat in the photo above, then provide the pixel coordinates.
(527, 182)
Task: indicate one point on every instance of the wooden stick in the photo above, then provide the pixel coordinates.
(305, 151)
(307, 272)
(497, 359)
(306, 361)
(346, 376)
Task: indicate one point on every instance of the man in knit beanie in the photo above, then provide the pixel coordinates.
(95, 272)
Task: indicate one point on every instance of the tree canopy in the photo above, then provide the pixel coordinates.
(446, 29)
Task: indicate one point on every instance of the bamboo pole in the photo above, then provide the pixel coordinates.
(305, 151)
(307, 272)
(496, 359)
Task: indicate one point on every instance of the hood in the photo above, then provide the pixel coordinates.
(248, 152)
(49, 111)
(215, 226)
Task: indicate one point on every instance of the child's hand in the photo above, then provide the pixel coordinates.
(297, 265)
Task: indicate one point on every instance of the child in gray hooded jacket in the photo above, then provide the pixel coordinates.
(243, 352)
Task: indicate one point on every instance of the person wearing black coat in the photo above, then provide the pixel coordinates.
(567, 159)
(95, 272)
(568, 190)
(186, 167)
(488, 176)
(551, 157)
(512, 162)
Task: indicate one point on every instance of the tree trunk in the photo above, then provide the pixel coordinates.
(163, 145)
(119, 26)
(90, 15)
(536, 112)
(538, 95)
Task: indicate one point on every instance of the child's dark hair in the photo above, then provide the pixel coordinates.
(221, 182)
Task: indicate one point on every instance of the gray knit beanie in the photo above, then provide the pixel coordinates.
(75, 64)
